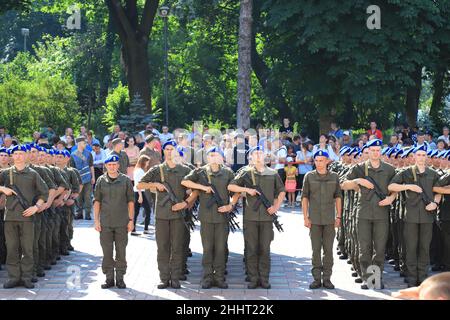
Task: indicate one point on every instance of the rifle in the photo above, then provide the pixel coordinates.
(215, 197)
(423, 196)
(261, 198)
(173, 199)
(376, 190)
(19, 198)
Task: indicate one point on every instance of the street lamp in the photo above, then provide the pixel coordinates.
(164, 13)
(25, 33)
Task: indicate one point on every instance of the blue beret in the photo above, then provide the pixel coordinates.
(33, 146)
(41, 149)
(27, 146)
(446, 154)
(66, 153)
(440, 154)
(420, 148)
(3, 150)
(407, 152)
(357, 154)
(391, 152)
(385, 150)
(354, 150)
(50, 151)
(58, 153)
(398, 153)
(364, 147)
(432, 153)
(17, 148)
(215, 149)
(257, 148)
(169, 143)
(321, 153)
(374, 143)
(344, 150)
(112, 158)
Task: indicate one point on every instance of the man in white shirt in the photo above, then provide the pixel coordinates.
(99, 155)
(69, 132)
(280, 153)
(165, 135)
(445, 135)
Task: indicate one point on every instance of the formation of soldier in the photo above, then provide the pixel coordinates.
(39, 191)
(384, 203)
(393, 210)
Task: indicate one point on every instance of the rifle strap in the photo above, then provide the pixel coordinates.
(366, 168)
(208, 174)
(252, 172)
(11, 180)
(161, 172)
(413, 169)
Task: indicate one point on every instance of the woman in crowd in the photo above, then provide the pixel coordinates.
(132, 152)
(140, 200)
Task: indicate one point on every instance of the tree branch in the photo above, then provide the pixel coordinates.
(122, 18)
(148, 16)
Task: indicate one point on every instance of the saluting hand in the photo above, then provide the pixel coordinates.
(30, 211)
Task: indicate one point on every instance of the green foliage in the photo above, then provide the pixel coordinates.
(39, 99)
(117, 104)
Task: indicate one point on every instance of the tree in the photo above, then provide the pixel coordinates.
(134, 34)
(244, 65)
(137, 118)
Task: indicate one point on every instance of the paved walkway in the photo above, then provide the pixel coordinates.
(290, 274)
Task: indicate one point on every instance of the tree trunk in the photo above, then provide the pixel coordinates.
(412, 98)
(134, 56)
(437, 104)
(134, 36)
(244, 65)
